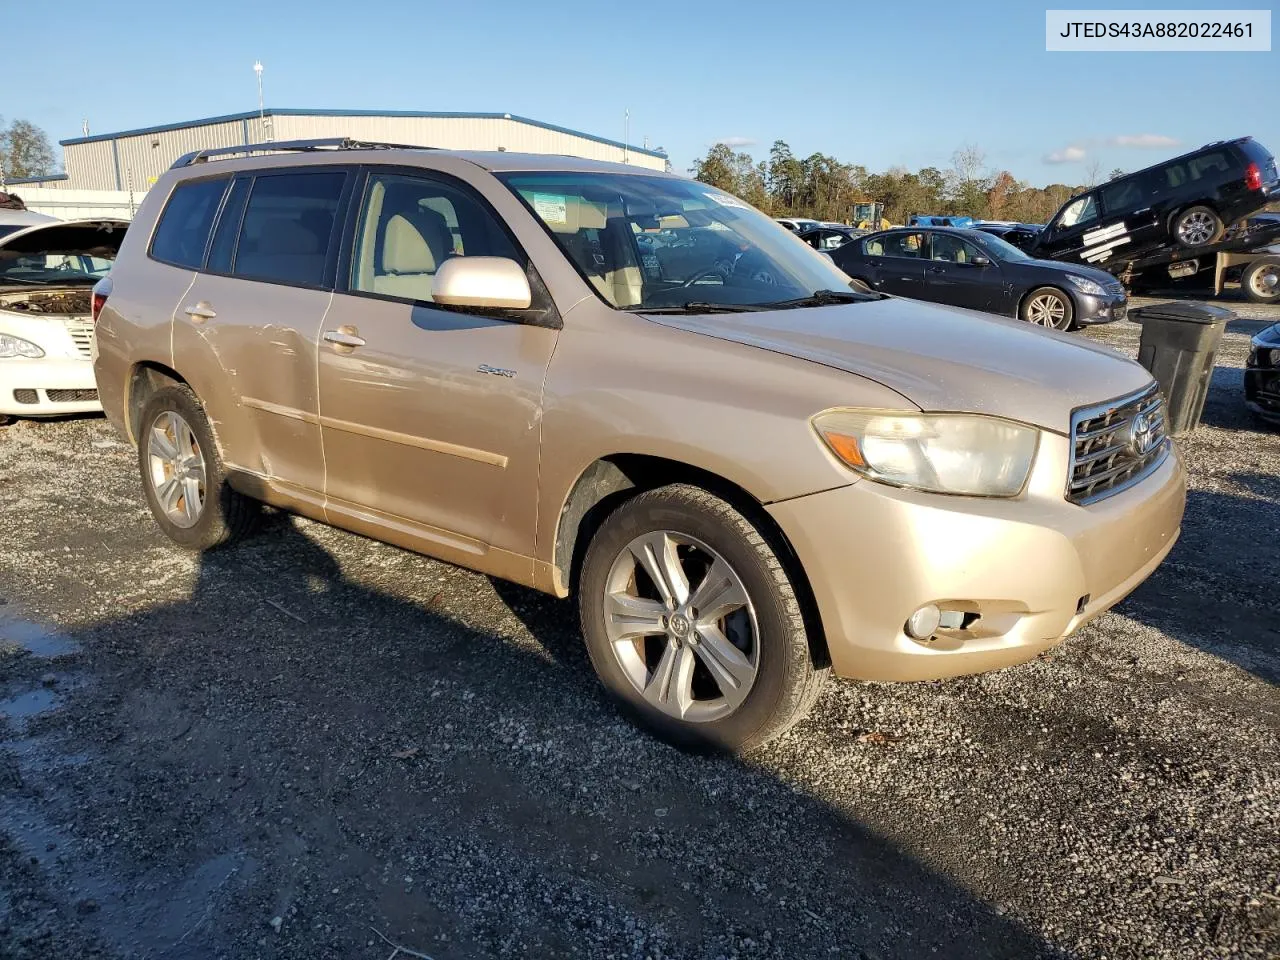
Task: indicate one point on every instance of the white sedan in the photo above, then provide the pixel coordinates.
(47, 273)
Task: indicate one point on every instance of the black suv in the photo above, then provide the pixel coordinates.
(1189, 201)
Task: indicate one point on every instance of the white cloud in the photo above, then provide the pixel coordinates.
(737, 141)
(1070, 154)
(1144, 141)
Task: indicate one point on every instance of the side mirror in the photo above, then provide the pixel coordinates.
(980, 262)
(494, 282)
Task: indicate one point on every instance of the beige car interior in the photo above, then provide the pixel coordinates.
(599, 234)
(403, 242)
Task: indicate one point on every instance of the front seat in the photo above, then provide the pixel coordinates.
(414, 242)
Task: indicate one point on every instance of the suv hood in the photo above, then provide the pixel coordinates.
(91, 238)
(939, 358)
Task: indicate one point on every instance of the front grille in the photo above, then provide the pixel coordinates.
(25, 396)
(82, 334)
(71, 396)
(1115, 444)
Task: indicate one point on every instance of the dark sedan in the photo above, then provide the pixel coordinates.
(1021, 235)
(1262, 375)
(969, 268)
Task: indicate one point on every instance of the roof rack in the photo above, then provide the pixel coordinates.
(291, 146)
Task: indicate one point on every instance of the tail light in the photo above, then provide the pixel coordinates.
(99, 301)
(1253, 177)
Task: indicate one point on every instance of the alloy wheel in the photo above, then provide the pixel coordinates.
(1195, 229)
(176, 469)
(1046, 310)
(682, 626)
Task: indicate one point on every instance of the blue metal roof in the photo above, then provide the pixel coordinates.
(253, 114)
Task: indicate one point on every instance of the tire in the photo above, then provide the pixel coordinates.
(761, 644)
(1196, 226)
(215, 514)
(1260, 281)
(1048, 307)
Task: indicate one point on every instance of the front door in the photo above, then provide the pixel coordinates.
(1076, 225)
(430, 415)
(954, 276)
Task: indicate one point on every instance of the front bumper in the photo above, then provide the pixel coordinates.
(1105, 309)
(1033, 570)
(47, 387)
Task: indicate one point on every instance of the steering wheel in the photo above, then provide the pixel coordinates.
(713, 270)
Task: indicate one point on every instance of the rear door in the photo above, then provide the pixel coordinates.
(249, 326)
(897, 262)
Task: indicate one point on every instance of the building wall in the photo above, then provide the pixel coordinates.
(124, 162)
(72, 204)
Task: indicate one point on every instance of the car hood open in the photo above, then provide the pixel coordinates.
(939, 358)
(90, 238)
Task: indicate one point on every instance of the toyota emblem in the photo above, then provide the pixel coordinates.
(1142, 435)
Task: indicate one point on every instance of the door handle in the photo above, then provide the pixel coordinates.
(200, 312)
(348, 337)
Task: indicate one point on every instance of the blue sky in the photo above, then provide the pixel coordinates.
(874, 83)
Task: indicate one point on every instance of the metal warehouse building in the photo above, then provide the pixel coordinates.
(133, 159)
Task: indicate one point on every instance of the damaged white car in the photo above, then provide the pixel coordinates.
(47, 273)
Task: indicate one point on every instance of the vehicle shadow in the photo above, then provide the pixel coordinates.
(1224, 406)
(1204, 596)
(293, 755)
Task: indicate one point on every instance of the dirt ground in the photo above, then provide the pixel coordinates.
(315, 746)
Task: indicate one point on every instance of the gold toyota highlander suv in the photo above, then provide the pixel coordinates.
(594, 379)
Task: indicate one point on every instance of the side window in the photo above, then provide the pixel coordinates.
(905, 245)
(953, 249)
(287, 229)
(1173, 176)
(1124, 196)
(1208, 165)
(228, 228)
(183, 230)
(873, 248)
(1081, 210)
(409, 226)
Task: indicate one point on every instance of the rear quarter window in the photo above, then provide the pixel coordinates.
(183, 231)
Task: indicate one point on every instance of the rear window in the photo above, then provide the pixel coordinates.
(183, 230)
(288, 228)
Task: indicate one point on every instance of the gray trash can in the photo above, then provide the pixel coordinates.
(1179, 341)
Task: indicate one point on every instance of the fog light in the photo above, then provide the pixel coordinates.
(922, 624)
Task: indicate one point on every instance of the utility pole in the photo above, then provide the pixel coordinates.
(626, 135)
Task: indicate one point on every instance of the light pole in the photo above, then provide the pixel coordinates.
(262, 118)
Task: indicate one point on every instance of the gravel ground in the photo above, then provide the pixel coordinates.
(312, 742)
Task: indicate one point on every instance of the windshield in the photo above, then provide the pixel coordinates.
(661, 243)
(52, 268)
(1000, 248)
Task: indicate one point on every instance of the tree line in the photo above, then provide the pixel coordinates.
(25, 150)
(824, 188)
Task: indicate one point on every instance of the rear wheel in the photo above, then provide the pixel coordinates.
(1197, 226)
(183, 476)
(1048, 307)
(692, 623)
(1260, 281)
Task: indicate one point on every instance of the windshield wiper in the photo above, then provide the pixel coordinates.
(704, 306)
(822, 298)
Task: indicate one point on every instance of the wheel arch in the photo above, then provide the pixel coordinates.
(1057, 288)
(609, 481)
(145, 378)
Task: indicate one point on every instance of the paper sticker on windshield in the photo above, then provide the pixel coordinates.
(551, 207)
(725, 200)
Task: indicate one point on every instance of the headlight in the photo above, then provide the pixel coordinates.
(939, 452)
(1085, 285)
(16, 347)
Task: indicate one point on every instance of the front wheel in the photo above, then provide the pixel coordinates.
(1196, 226)
(183, 476)
(1048, 307)
(693, 624)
